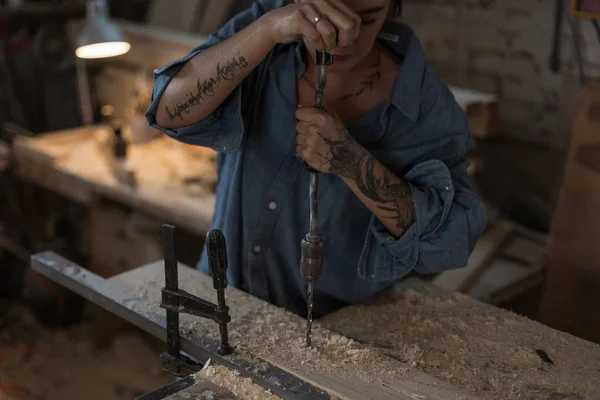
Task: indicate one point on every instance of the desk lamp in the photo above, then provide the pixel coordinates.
(100, 38)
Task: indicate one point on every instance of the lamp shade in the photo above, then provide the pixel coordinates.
(100, 38)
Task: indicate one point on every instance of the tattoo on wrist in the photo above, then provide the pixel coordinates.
(207, 88)
(350, 160)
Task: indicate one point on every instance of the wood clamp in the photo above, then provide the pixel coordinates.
(177, 301)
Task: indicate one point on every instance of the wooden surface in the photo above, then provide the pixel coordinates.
(342, 367)
(434, 336)
(71, 163)
(571, 299)
(204, 390)
(489, 351)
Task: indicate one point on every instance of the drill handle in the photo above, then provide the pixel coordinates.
(216, 250)
(324, 58)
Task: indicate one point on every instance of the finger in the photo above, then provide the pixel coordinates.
(308, 30)
(302, 140)
(350, 13)
(344, 24)
(308, 131)
(308, 114)
(323, 26)
(303, 128)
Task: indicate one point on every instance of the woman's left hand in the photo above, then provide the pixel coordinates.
(325, 144)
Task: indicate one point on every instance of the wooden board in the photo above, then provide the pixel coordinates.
(263, 335)
(572, 290)
(342, 368)
(204, 390)
(70, 163)
(484, 349)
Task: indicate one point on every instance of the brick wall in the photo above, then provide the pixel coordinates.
(504, 47)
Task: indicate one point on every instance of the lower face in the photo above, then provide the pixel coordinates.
(351, 58)
(342, 63)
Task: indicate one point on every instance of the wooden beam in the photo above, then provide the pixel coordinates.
(572, 286)
(269, 342)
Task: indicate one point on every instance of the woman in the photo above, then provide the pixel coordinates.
(393, 194)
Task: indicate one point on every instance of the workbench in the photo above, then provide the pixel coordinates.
(174, 183)
(71, 163)
(415, 341)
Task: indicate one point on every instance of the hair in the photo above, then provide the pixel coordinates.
(395, 8)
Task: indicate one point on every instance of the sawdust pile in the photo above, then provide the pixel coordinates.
(260, 330)
(331, 354)
(241, 387)
(492, 353)
(277, 336)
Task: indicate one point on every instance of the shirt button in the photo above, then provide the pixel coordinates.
(447, 188)
(272, 205)
(256, 249)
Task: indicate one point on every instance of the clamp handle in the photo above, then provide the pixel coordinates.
(216, 250)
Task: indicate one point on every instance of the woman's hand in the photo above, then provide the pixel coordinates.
(288, 23)
(325, 144)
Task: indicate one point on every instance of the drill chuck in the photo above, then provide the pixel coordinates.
(311, 261)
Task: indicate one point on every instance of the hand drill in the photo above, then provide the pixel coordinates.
(311, 262)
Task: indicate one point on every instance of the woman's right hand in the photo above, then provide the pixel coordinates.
(288, 23)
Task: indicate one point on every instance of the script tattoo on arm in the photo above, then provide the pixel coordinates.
(350, 160)
(206, 88)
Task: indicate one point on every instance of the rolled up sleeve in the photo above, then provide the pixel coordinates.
(223, 130)
(449, 220)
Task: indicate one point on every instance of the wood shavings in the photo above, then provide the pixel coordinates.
(241, 387)
(489, 351)
(263, 331)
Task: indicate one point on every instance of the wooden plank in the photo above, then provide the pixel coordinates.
(525, 251)
(509, 292)
(120, 299)
(572, 287)
(204, 390)
(500, 274)
(259, 331)
(330, 375)
(490, 243)
(488, 350)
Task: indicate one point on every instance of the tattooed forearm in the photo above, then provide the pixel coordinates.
(206, 87)
(350, 160)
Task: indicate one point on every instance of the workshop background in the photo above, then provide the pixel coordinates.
(83, 175)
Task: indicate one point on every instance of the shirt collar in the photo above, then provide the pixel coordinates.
(406, 94)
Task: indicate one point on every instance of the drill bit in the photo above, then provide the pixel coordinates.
(311, 263)
(309, 316)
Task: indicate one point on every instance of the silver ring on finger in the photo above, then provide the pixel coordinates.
(317, 19)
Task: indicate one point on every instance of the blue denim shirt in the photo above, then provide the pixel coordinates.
(419, 133)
